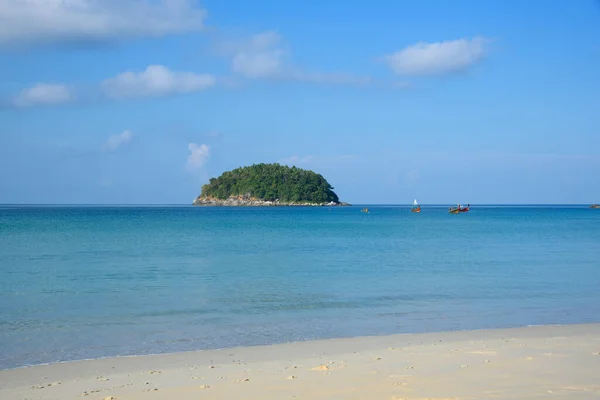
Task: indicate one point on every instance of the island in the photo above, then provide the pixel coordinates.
(268, 185)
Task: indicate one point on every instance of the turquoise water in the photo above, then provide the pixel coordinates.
(86, 282)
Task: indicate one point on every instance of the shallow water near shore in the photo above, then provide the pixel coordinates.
(87, 282)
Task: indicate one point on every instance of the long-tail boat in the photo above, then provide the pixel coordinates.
(459, 209)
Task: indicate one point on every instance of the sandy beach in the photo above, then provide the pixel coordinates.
(558, 362)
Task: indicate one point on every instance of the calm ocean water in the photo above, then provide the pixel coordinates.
(86, 282)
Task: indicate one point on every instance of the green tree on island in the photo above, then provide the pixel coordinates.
(271, 182)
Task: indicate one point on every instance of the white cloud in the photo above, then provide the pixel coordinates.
(266, 56)
(116, 141)
(51, 21)
(43, 94)
(156, 80)
(438, 58)
(260, 57)
(198, 156)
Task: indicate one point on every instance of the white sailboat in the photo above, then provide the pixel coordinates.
(416, 207)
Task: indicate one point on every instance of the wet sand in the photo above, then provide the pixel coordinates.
(547, 362)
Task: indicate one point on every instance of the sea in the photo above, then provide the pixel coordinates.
(81, 282)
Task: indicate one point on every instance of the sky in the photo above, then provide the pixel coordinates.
(142, 101)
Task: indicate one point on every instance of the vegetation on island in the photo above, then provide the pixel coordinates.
(271, 182)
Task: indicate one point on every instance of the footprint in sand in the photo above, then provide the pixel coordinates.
(45, 386)
(101, 378)
(399, 384)
(110, 398)
(425, 398)
(154, 372)
(151, 390)
(244, 380)
(377, 359)
(484, 352)
(292, 377)
(464, 366)
(529, 358)
(320, 368)
(204, 387)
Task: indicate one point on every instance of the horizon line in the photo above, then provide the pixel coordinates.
(351, 204)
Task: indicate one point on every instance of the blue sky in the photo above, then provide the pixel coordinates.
(142, 101)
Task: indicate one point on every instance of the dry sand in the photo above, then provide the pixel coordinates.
(549, 362)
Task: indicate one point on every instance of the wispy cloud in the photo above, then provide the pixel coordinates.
(64, 21)
(267, 56)
(198, 156)
(116, 141)
(43, 94)
(262, 56)
(438, 58)
(156, 80)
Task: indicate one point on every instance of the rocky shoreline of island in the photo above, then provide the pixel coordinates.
(252, 202)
